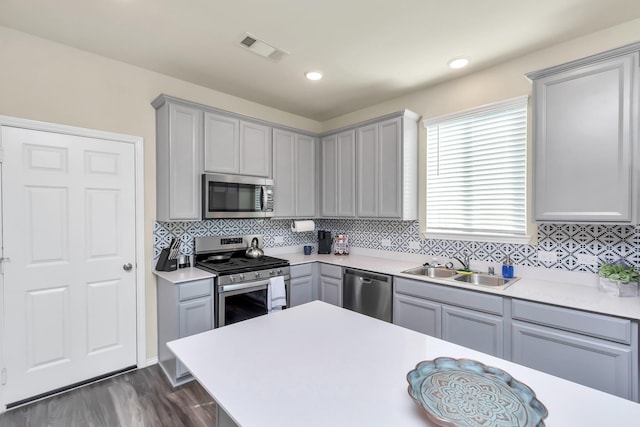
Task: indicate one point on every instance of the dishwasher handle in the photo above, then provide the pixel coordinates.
(367, 277)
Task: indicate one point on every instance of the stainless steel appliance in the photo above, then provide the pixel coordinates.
(232, 196)
(241, 284)
(367, 293)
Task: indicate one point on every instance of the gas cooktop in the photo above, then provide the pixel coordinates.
(240, 264)
(225, 255)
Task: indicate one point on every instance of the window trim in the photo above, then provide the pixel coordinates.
(530, 228)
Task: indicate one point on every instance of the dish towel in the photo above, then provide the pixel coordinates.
(276, 294)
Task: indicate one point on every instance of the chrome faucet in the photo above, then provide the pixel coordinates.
(465, 263)
(491, 271)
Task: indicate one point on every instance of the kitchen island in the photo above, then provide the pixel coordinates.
(320, 365)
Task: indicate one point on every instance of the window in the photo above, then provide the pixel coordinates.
(476, 173)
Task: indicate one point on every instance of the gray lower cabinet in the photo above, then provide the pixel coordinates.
(178, 160)
(468, 318)
(183, 309)
(295, 174)
(588, 107)
(330, 284)
(301, 286)
(480, 331)
(592, 349)
(339, 175)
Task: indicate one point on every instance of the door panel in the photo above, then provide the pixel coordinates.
(69, 227)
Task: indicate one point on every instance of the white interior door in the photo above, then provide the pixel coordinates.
(69, 232)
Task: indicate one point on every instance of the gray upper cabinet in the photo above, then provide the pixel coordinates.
(339, 175)
(295, 174)
(178, 160)
(236, 146)
(585, 131)
(387, 168)
(222, 147)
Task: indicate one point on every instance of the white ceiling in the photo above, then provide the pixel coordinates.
(369, 50)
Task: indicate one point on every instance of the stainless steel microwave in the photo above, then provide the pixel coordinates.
(233, 196)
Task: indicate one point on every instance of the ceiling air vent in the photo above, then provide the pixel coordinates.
(262, 48)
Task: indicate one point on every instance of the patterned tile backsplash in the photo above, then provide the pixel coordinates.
(572, 243)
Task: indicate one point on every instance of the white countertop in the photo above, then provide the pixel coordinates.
(184, 275)
(320, 365)
(582, 296)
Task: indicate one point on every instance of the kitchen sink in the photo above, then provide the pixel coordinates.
(483, 279)
(478, 279)
(439, 272)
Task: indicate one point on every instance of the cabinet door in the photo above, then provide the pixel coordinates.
(418, 314)
(473, 329)
(255, 149)
(346, 172)
(583, 131)
(194, 316)
(389, 169)
(589, 361)
(301, 289)
(221, 144)
(330, 176)
(283, 173)
(331, 290)
(305, 176)
(185, 167)
(367, 169)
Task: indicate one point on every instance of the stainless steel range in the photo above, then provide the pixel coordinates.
(242, 283)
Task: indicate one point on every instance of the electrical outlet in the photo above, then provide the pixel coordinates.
(547, 256)
(278, 239)
(414, 245)
(385, 242)
(587, 259)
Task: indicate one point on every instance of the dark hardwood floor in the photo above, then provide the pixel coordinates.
(142, 397)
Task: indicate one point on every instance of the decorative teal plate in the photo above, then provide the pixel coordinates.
(466, 393)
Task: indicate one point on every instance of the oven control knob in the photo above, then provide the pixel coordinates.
(241, 277)
(272, 273)
(279, 271)
(232, 279)
(258, 274)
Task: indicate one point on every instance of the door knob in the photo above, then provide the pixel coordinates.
(127, 267)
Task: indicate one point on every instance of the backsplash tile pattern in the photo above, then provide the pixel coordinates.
(605, 242)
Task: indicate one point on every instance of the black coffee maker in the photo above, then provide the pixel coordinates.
(324, 242)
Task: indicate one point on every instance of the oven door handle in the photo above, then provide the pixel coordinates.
(259, 284)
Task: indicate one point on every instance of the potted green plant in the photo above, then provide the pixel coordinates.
(618, 278)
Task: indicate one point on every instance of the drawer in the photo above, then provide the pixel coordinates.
(301, 270)
(582, 322)
(195, 289)
(331, 270)
(447, 294)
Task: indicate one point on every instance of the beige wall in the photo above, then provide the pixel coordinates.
(49, 82)
(503, 81)
(45, 81)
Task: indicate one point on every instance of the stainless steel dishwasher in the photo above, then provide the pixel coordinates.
(367, 293)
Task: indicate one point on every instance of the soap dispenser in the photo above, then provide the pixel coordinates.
(507, 268)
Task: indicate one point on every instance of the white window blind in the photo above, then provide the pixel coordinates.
(476, 171)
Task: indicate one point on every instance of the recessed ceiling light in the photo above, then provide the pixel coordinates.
(459, 62)
(313, 75)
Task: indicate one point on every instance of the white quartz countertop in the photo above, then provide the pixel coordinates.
(184, 275)
(317, 365)
(583, 296)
